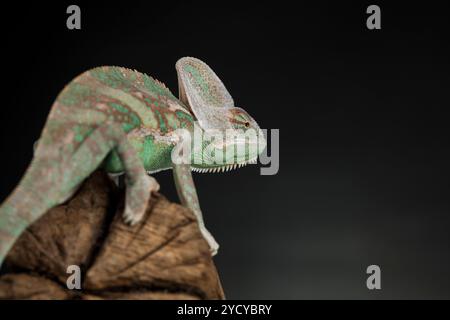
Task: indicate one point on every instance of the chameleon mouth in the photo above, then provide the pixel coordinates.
(224, 168)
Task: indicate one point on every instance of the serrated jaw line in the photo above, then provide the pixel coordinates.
(224, 168)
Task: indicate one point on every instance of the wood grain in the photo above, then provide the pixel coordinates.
(162, 257)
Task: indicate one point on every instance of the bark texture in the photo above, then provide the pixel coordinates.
(163, 257)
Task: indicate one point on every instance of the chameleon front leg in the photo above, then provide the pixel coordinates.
(94, 149)
(188, 196)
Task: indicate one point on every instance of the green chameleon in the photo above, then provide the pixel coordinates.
(127, 122)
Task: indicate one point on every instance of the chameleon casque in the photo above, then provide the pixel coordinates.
(125, 122)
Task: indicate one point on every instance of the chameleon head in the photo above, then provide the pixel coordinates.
(230, 137)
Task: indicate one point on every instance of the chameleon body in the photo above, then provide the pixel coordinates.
(125, 122)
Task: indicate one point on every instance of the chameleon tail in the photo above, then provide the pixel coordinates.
(16, 214)
(23, 206)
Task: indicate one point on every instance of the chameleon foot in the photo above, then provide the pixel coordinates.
(213, 245)
(115, 178)
(138, 196)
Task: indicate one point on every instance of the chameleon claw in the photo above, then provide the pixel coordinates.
(213, 245)
(214, 250)
(133, 214)
(130, 218)
(153, 184)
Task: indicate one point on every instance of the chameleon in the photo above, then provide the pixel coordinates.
(127, 123)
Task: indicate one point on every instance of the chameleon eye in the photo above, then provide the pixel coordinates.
(247, 124)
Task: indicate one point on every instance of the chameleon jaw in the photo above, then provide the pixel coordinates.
(223, 168)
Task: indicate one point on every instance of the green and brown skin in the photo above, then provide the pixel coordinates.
(125, 122)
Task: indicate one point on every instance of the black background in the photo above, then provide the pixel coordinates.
(363, 118)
